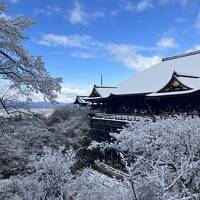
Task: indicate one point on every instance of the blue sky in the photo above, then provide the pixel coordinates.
(80, 40)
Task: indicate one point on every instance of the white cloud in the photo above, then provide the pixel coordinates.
(78, 15)
(194, 48)
(183, 3)
(129, 6)
(79, 41)
(114, 13)
(128, 56)
(98, 14)
(41, 11)
(144, 5)
(15, 1)
(167, 43)
(54, 8)
(81, 55)
(83, 45)
(69, 92)
(48, 10)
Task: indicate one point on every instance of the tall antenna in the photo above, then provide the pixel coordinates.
(101, 80)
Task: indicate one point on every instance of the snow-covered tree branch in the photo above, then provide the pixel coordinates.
(23, 71)
(161, 156)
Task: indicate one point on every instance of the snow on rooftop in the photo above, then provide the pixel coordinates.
(154, 78)
(193, 83)
(102, 90)
(181, 55)
(104, 86)
(180, 74)
(105, 91)
(171, 93)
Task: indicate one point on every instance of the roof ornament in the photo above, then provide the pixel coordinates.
(175, 73)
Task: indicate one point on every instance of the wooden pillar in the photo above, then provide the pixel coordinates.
(111, 157)
(104, 156)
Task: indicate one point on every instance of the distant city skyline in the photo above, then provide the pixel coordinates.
(80, 40)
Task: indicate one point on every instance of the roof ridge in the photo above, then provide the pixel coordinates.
(102, 86)
(181, 55)
(178, 74)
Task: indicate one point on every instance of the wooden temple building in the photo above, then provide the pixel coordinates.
(173, 85)
(81, 100)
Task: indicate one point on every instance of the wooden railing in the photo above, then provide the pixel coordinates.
(117, 117)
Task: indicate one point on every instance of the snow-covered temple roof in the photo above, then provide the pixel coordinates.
(176, 75)
(170, 93)
(156, 77)
(81, 100)
(102, 91)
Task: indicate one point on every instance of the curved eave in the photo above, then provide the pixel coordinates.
(132, 94)
(176, 93)
(180, 82)
(80, 100)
